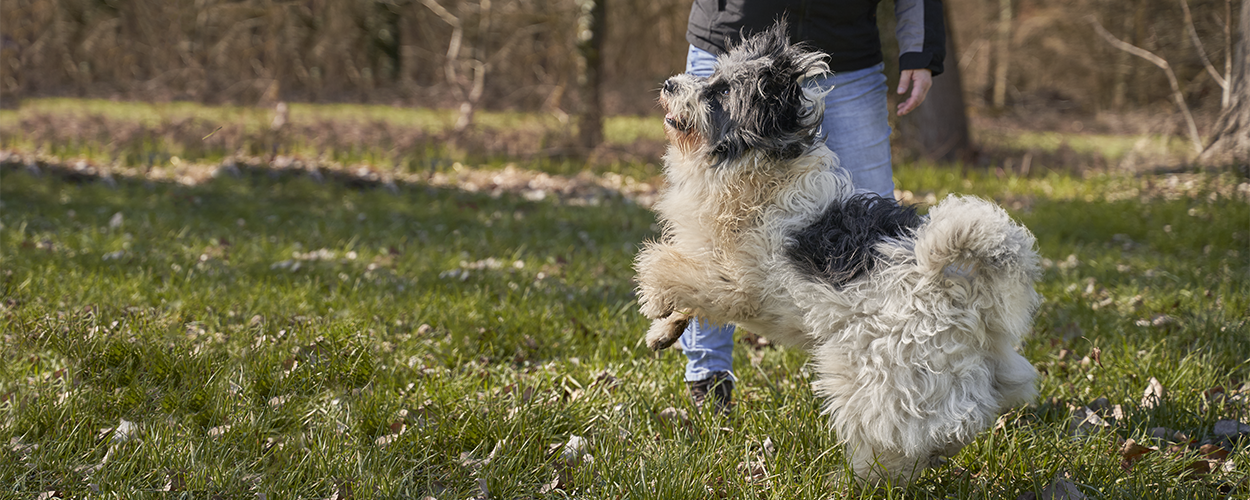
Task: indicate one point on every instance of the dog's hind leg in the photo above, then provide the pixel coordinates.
(1013, 378)
(881, 467)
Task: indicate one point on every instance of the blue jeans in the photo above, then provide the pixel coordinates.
(856, 127)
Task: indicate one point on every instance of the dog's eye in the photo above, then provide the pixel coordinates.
(724, 91)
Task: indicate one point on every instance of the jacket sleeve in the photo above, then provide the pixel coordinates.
(921, 34)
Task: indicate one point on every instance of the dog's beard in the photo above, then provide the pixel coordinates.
(681, 134)
(686, 116)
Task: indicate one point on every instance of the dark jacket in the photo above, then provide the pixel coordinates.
(845, 29)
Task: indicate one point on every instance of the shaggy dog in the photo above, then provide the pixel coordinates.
(912, 322)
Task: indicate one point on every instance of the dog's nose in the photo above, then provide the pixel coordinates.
(669, 86)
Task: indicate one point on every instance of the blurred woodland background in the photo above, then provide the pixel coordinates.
(1034, 64)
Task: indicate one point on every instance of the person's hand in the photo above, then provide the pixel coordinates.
(919, 81)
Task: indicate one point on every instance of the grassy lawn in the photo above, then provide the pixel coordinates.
(299, 339)
(144, 135)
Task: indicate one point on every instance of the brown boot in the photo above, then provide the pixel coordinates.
(719, 387)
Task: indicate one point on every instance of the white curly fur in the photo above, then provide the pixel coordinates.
(912, 361)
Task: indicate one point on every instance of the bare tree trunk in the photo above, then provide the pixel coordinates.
(939, 127)
(1139, 88)
(1230, 140)
(1002, 54)
(592, 27)
(1122, 67)
(408, 47)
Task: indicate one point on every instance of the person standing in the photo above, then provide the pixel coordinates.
(856, 121)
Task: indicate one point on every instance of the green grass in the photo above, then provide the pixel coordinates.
(1113, 148)
(135, 134)
(288, 337)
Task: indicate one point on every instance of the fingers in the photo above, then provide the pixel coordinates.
(918, 81)
(904, 81)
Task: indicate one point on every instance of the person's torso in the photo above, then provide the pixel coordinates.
(844, 29)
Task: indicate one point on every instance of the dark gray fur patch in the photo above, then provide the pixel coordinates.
(839, 246)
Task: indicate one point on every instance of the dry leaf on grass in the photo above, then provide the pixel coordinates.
(606, 380)
(674, 415)
(400, 425)
(1086, 421)
(753, 471)
(176, 482)
(474, 464)
(385, 440)
(1153, 394)
(483, 489)
(1131, 452)
(1215, 394)
(1213, 452)
(575, 452)
(125, 431)
(343, 490)
(557, 483)
(1213, 459)
(571, 454)
(1159, 321)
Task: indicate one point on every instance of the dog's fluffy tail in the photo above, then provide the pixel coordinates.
(967, 237)
(971, 251)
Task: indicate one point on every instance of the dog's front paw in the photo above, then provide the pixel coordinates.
(665, 331)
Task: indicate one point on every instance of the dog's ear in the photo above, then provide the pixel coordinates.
(771, 108)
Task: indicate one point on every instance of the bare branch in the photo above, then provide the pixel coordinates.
(1128, 47)
(1228, 50)
(1167, 68)
(1193, 34)
(1002, 47)
(453, 45)
(441, 12)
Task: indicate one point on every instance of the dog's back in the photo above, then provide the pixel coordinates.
(839, 245)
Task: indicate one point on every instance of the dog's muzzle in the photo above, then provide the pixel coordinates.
(674, 120)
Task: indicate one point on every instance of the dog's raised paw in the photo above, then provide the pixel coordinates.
(665, 331)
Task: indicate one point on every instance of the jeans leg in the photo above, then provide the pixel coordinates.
(857, 127)
(709, 348)
(700, 62)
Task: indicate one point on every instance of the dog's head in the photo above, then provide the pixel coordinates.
(756, 101)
